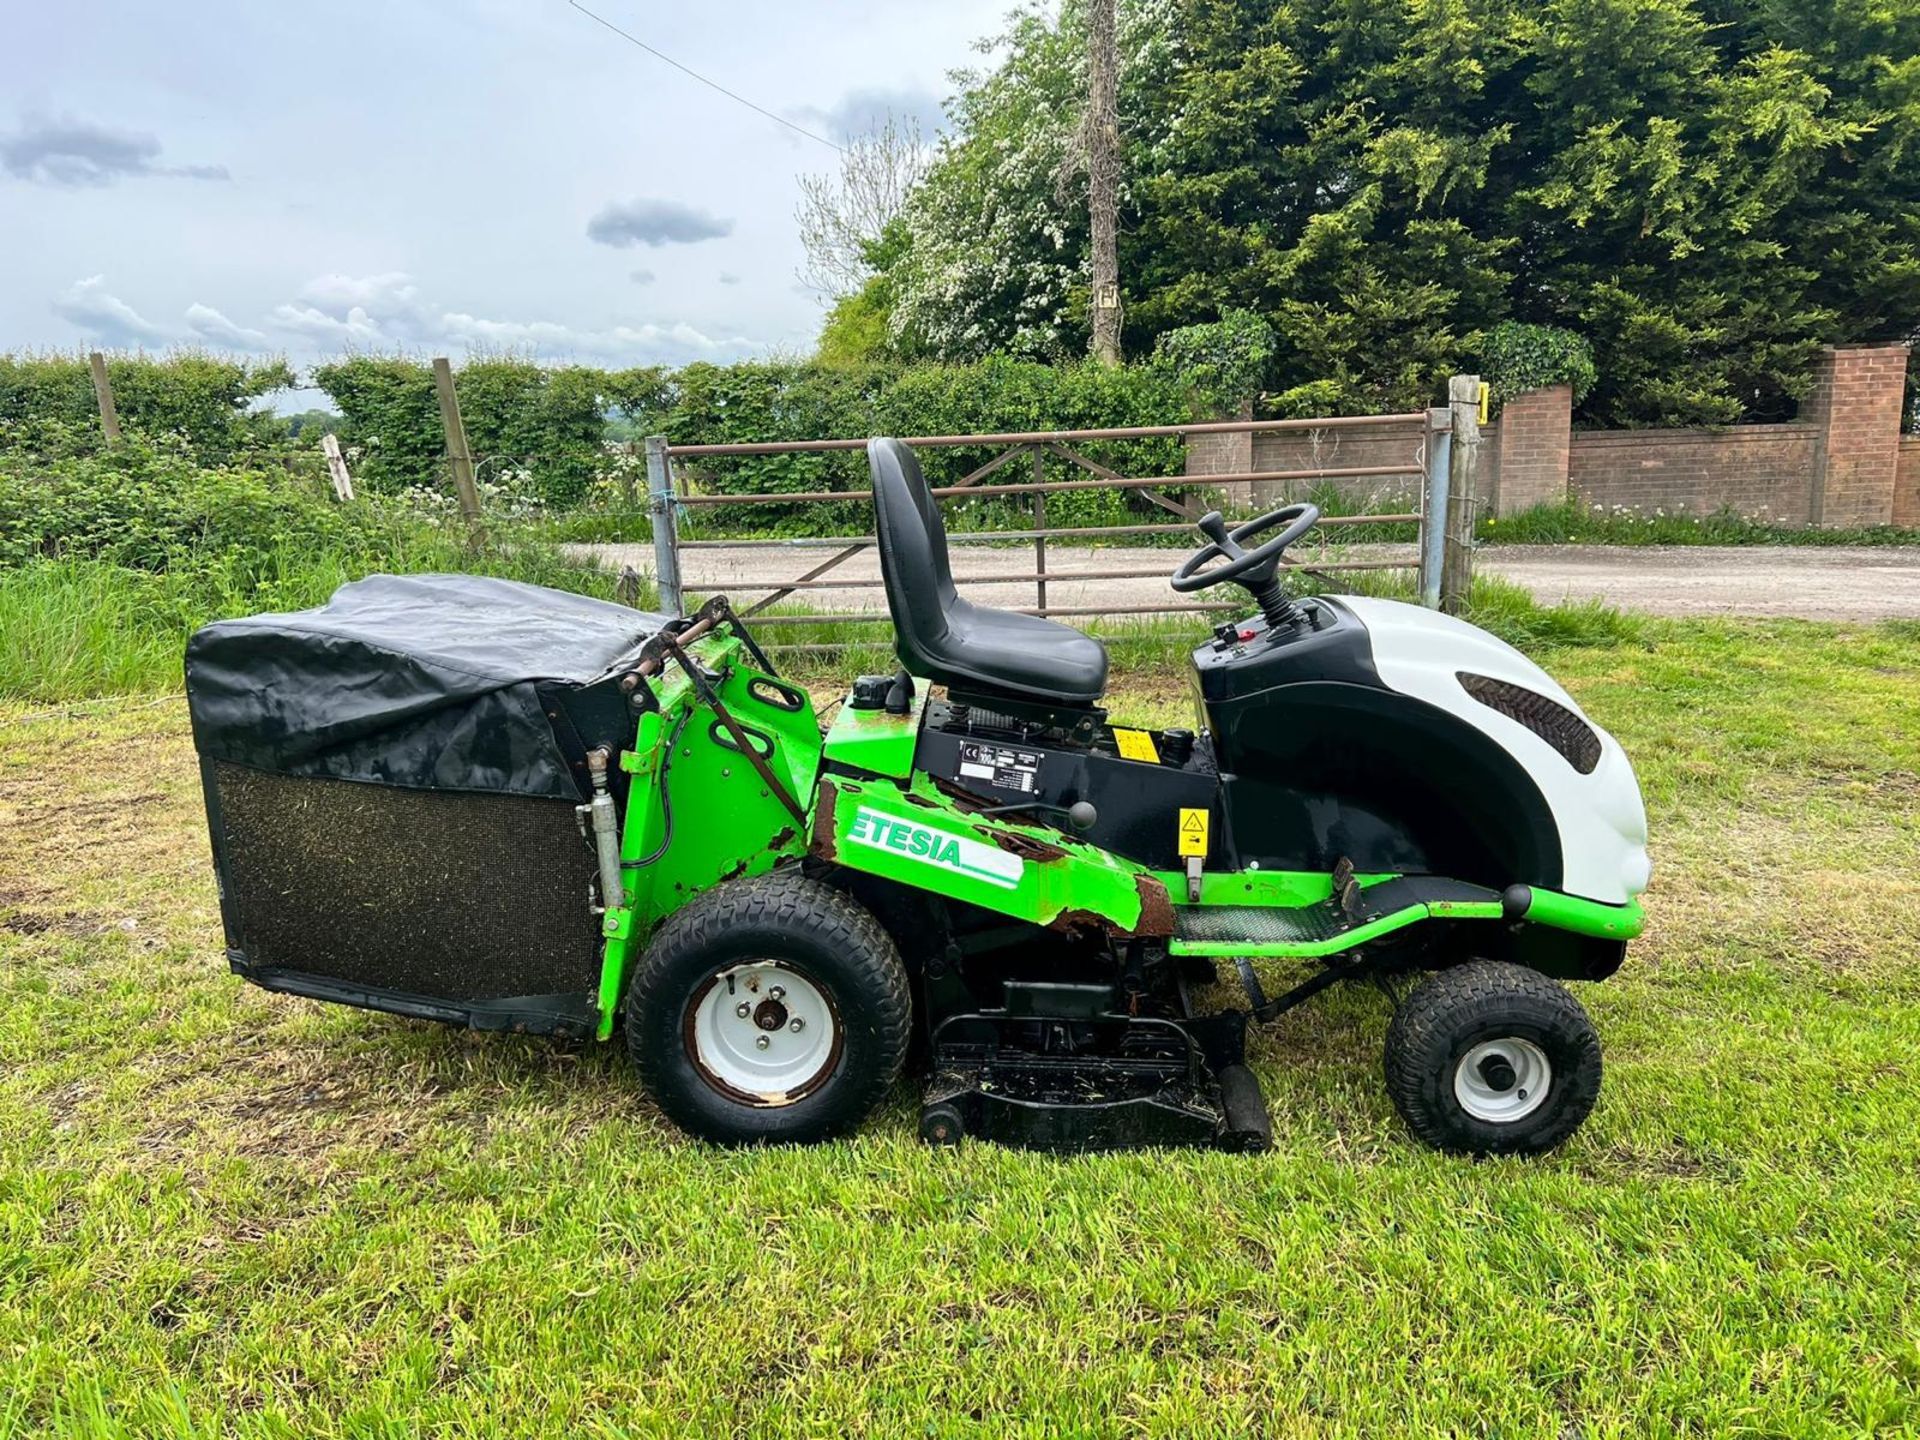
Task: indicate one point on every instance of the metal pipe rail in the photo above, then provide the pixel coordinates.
(1048, 487)
(1044, 437)
(1068, 532)
(1025, 577)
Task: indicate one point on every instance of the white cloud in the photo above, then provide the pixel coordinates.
(641, 277)
(106, 317)
(67, 151)
(216, 329)
(356, 327)
(389, 290)
(386, 311)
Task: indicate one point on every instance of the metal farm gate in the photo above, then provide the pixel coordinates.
(1439, 459)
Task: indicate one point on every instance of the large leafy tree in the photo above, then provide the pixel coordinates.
(1707, 189)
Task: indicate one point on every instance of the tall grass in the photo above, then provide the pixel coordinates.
(76, 628)
(1576, 524)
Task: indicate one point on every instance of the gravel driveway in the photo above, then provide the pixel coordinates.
(1856, 583)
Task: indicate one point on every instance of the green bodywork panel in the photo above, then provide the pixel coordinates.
(876, 742)
(896, 824)
(726, 821)
(1586, 917)
(1564, 912)
(919, 836)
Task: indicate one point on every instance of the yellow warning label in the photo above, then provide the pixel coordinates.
(1136, 745)
(1193, 832)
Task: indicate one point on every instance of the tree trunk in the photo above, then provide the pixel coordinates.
(1103, 178)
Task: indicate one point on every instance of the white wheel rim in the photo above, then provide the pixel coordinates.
(1501, 1081)
(781, 1048)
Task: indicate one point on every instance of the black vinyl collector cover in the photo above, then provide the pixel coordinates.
(391, 781)
(424, 681)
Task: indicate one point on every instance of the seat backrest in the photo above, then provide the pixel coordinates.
(913, 548)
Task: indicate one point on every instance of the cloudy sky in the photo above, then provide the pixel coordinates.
(432, 175)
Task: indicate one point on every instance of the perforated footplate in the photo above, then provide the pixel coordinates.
(1260, 924)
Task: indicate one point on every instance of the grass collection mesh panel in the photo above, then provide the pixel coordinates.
(1550, 720)
(449, 895)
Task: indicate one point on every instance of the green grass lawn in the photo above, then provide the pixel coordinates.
(224, 1212)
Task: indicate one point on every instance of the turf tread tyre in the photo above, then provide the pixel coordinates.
(1453, 1010)
(841, 948)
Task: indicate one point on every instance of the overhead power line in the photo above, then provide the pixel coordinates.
(710, 84)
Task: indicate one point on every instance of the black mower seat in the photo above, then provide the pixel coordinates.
(950, 640)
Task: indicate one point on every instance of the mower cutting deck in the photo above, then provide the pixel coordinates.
(482, 802)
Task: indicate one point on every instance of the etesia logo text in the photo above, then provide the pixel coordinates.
(957, 853)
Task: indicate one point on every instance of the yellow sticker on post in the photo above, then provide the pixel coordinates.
(1136, 745)
(1193, 832)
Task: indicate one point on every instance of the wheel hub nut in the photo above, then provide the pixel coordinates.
(763, 1042)
(743, 1009)
(798, 1025)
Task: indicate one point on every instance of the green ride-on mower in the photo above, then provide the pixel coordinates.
(511, 808)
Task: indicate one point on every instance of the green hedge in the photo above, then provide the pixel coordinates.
(547, 434)
(111, 555)
(721, 404)
(554, 423)
(1516, 358)
(203, 399)
(549, 421)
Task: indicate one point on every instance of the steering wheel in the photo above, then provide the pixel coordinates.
(1256, 570)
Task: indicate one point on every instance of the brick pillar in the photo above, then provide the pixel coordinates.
(1535, 438)
(1854, 409)
(1906, 495)
(1225, 453)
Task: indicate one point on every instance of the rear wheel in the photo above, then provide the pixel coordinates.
(1490, 1058)
(771, 1009)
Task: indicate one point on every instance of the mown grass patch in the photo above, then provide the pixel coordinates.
(229, 1213)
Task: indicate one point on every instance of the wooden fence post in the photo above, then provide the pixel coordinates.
(336, 466)
(458, 455)
(1456, 572)
(103, 395)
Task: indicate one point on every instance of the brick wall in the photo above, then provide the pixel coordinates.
(1842, 463)
(1906, 484)
(1362, 445)
(1226, 453)
(1760, 471)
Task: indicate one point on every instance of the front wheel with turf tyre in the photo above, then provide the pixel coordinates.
(774, 1009)
(1492, 1059)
